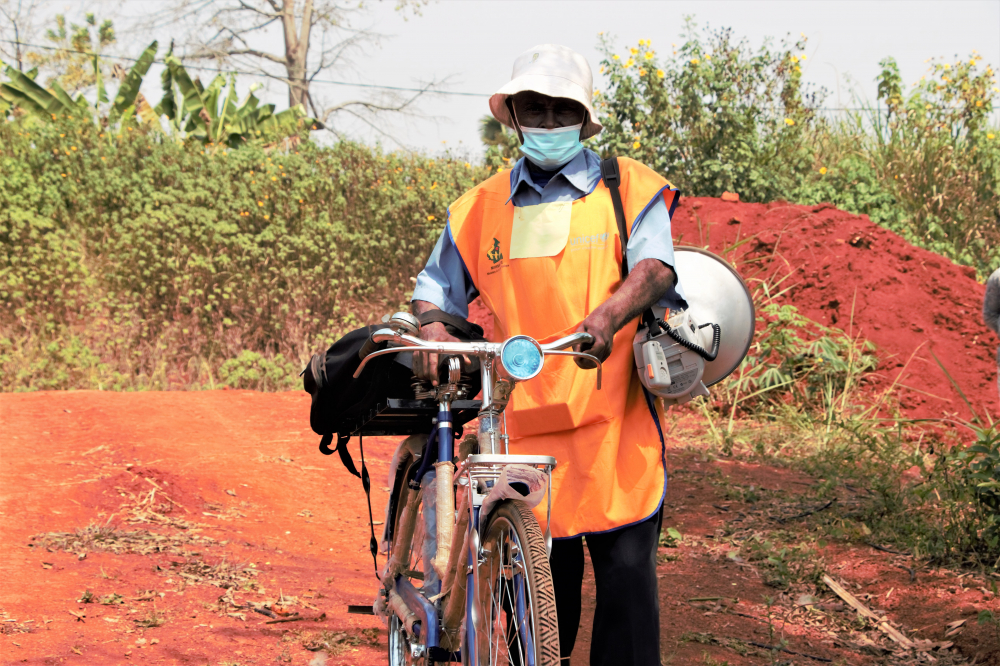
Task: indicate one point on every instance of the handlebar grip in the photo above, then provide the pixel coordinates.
(367, 348)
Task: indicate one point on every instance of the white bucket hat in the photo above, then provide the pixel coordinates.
(553, 70)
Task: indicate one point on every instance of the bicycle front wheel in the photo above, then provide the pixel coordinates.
(518, 625)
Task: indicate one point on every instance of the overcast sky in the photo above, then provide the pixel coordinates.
(472, 44)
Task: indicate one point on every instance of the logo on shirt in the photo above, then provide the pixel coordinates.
(495, 255)
(592, 242)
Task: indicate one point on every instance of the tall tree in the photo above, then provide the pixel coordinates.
(318, 36)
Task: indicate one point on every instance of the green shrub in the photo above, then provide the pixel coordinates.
(162, 260)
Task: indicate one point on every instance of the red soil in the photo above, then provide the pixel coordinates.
(70, 459)
(842, 270)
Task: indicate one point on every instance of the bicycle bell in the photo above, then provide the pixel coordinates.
(402, 322)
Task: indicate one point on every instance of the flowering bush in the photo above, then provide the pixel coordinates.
(714, 115)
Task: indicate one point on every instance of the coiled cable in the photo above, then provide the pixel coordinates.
(696, 348)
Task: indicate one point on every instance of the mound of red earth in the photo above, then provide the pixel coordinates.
(844, 271)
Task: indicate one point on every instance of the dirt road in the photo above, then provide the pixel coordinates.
(170, 517)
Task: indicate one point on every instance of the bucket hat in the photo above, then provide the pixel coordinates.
(553, 70)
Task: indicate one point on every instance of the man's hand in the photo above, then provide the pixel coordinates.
(425, 365)
(602, 328)
(644, 285)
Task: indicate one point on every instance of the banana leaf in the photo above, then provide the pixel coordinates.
(129, 88)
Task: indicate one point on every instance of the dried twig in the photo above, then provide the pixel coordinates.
(880, 622)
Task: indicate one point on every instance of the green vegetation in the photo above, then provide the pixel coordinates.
(131, 260)
(714, 115)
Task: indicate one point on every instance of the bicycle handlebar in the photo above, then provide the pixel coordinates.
(482, 350)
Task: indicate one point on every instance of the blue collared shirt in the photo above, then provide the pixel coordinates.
(445, 282)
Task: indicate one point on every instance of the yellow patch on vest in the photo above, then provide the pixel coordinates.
(540, 231)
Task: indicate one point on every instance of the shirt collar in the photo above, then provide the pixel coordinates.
(576, 173)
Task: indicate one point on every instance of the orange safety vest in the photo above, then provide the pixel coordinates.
(608, 444)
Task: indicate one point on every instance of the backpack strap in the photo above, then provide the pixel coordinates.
(613, 179)
(341, 448)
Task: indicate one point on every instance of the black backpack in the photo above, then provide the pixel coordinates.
(341, 404)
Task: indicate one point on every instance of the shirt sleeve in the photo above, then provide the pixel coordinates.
(651, 239)
(445, 282)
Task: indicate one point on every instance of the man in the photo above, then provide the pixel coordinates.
(991, 311)
(540, 245)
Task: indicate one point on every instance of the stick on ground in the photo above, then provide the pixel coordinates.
(880, 622)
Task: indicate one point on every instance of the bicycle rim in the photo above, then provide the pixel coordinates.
(518, 625)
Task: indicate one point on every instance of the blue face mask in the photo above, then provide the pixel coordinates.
(551, 148)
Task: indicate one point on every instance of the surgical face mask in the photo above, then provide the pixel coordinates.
(551, 148)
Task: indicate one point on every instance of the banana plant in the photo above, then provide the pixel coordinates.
(22, 91)
(211, 114)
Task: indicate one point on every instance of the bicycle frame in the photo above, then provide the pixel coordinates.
(476, 476)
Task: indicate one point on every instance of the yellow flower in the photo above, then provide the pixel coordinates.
(794, 59)
(61, 135)
(979, 102)
(798, 70)
(300, 200)
(947, 66)
(649, 55)
(72, 147)
(614, 57)
(635, 146)
(694, 61)
(789, 122)
(707, 58)
(260, 203)
(990, 135)
(660, 73)
(468, 166)
(802, 57)
(822, 171)
(431, 218)
(642, 72)
(633, 51)
(274, 178)
(629, 63)
(972, 62)
(63, 175)
(602, 69)
(267, 217)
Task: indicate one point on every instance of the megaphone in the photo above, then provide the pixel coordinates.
(689, 350)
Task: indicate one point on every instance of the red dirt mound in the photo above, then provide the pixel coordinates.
(842, 270)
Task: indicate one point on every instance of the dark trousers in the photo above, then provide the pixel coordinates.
(627, 617)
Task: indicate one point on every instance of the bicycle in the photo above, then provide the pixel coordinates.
(469, 583)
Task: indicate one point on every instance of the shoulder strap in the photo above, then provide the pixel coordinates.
(465, 327)
(612, 178)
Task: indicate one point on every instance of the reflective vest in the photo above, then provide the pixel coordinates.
(541, 270)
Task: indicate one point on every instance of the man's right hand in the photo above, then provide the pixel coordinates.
(425, 364)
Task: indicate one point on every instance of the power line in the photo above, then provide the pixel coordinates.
(248, 73)
(347, 83)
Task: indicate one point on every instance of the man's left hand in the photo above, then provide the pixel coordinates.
(602, 328)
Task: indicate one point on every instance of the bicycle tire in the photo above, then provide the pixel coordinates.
(513, 518)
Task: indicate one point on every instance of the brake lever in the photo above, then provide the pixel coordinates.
(589, 357)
